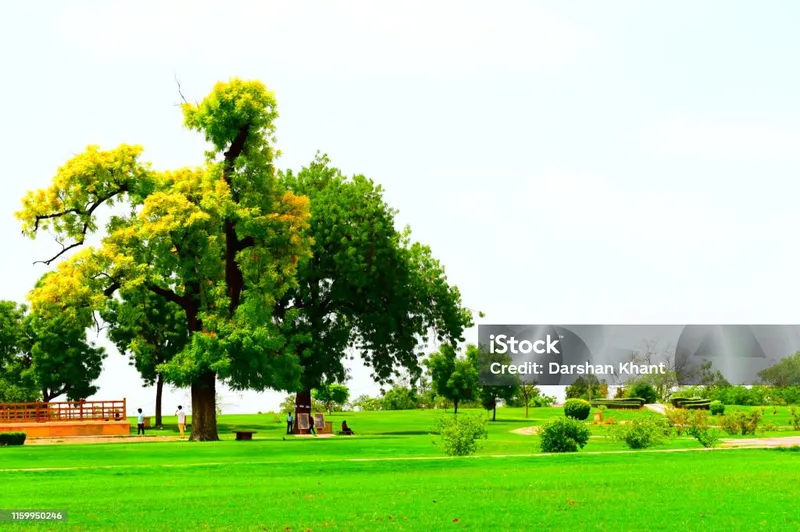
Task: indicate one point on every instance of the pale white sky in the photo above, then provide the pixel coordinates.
(615, 162)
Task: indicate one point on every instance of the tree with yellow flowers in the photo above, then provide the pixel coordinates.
(221, 242)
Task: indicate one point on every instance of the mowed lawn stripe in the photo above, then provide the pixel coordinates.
(735, 490)
(392, 459)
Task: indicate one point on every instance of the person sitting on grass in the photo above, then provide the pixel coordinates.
(347, 430)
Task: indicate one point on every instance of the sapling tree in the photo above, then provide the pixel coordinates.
(331, 395)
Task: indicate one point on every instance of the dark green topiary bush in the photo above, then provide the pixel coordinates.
(627, 403)
(717, 408)
(564, 435)
(690, 402)
(577, 409)
(645, 391)
(12, 438)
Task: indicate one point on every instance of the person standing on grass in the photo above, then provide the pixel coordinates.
(140, 423)
(181, 420)
(311, 429)
(289, 423)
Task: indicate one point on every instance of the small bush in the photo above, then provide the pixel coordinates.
(12, 438)
(707, 437)
(678, 418)
(642, 433)
(699, 429)
(794, 417)
(741, 423)
(564, 435)
(645, 391)
(730, 424)
(717, 408)
(577, 409)
(460, 434)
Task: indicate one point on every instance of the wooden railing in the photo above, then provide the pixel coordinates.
(63, 411)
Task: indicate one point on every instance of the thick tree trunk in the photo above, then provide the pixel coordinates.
(159, 393)
(204, 413)
(494, 412)
(302, 405)
(526, 409)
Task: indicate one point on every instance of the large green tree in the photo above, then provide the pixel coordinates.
(46, 353)
(16, 386)
(786, 372)
(367, 289)
(151, 330)
(220, 241)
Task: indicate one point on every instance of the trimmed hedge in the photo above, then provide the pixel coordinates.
(12, 438)
(577, 409)
(691, 403)
(620, 404)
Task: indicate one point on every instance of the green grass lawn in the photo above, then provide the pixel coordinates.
(392, 476)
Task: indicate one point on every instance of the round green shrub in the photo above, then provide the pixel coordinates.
(717, 408)
(642, 433)
(644, 390)
(577, 409)
(563, 435)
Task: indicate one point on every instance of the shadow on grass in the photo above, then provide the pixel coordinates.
(229, 427)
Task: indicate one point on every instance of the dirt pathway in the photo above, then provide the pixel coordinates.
(526, 431)
(762, 443)
(661, 409)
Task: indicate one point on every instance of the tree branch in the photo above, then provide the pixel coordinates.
(80, 212)
(169, 295)
(64, 249)
(245, 243)
(179, 88)
(237, 146)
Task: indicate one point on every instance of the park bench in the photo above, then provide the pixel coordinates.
(242, 435)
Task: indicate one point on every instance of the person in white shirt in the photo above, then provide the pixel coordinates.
(140, 422)
(181, 420)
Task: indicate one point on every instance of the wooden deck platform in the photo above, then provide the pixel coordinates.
(53, 429)
(68, 418)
